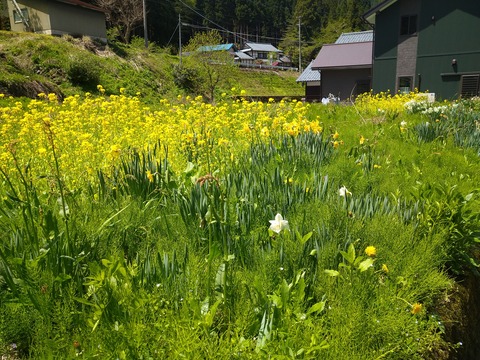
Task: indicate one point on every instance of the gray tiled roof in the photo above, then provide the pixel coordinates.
(242, 55)
(309, 75)
(354, 37)
(261, 47)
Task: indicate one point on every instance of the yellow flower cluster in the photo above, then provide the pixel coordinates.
(90, 133)
(384, 104)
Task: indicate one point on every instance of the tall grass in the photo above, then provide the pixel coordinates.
(148, 263)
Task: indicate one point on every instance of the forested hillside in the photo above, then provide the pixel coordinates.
(279, 22)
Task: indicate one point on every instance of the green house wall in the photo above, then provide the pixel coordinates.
(385, 49)
(447, 30)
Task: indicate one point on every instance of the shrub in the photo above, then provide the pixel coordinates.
(83, 71)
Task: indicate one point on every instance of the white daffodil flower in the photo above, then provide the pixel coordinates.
(343, 191)
(278, 224)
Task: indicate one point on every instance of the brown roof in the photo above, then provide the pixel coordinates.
(82, 4)
(342, 56)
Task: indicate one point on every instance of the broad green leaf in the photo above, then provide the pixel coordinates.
(350, 254)
(306, 237)
(331, 272)
(318, 307)
(365, 264)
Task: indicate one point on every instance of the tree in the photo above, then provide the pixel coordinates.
(123, 15)
(210, 66)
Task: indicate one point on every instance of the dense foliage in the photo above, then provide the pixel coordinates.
(268, 21)
(183, 229)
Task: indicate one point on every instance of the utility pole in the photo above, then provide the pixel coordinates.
(180, 38)
(299, 44)
(145, 32)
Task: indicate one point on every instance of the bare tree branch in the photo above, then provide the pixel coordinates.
(124, 15)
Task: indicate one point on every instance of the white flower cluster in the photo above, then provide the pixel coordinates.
(414, 106)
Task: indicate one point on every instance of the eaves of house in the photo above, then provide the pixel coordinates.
(372, 13)
(82, 4)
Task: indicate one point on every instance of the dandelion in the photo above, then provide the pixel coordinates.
(362, 140)
(343, 192)
(278, 224)
(371, 251)
(416, 308)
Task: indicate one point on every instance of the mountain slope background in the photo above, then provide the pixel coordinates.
(288, 24)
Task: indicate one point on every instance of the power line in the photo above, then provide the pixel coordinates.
(174, 31)
(221, 28)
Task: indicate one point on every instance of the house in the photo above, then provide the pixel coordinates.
(345, 65)
(311, 80)
(242, 58)
(427, 44)
(264, 53)
(238, 56)
(58, 17)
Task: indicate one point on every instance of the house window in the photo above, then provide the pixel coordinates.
(262, 55)
(405, 84)
(470, 85)
(17, 18)
(408, 25)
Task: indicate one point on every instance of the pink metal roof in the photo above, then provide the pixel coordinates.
(342, 56)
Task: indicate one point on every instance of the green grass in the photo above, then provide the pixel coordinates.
(170, 269)
(32, 63)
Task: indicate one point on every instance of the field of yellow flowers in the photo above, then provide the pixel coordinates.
(242, 230)
(92, 133)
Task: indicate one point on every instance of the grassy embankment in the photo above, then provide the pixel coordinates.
(31, 63)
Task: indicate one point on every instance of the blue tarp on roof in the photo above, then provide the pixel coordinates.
(220, 47)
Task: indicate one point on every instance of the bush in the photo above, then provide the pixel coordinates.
(185, 78)
(84, 71)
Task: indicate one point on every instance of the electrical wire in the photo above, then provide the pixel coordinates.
(174, 31)
(220, 27)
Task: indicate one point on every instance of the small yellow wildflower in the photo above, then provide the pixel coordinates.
(385, 268)
(335, 144)
(336, 135)
(416, 308)
(375, 166)
(150, 176)
(362, 140)
(371, 251)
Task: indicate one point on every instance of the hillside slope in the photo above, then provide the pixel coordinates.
(31, 63)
